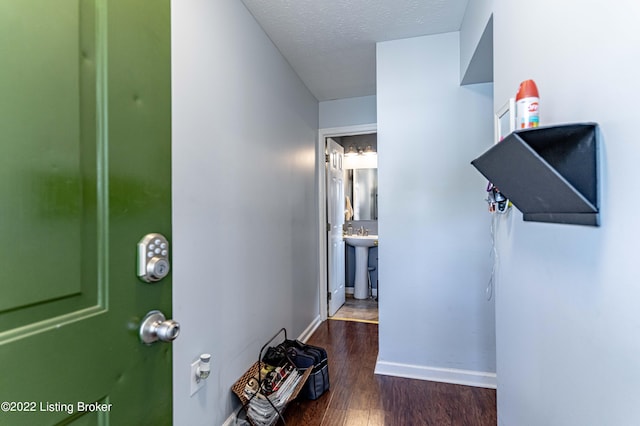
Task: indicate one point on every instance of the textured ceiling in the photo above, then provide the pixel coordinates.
(331, 43)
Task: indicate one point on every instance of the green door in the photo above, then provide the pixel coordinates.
(85, 173)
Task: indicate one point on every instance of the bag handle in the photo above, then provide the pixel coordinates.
(267, 344)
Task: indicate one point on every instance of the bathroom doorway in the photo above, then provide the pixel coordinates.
(358, 208)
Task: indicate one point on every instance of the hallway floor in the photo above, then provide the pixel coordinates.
(359, 397)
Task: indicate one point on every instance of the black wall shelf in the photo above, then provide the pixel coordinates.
(549, 173)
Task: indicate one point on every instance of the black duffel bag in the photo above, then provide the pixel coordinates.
(306, 356)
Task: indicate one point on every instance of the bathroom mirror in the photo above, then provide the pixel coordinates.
(365, 194)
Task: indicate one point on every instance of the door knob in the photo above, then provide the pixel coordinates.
(156, 327)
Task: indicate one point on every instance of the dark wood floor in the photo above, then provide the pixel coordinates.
(359, 397)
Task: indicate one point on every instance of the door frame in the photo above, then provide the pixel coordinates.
(360, 129)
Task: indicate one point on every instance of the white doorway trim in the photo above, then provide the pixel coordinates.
(360, 129)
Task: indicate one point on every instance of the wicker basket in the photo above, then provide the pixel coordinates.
(239, 386)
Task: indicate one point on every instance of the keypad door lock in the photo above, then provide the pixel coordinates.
(153, 257)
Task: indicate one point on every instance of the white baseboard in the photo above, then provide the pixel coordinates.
(231, 420)
(310, 329)
(447, 375)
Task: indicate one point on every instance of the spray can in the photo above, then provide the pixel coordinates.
(527, 101)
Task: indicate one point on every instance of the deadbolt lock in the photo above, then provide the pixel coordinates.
(153, 257)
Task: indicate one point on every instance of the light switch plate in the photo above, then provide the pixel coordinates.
(195, 385)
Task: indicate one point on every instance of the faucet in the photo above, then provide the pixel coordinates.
(363, 231)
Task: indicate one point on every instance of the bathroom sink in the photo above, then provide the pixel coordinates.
(361, 240)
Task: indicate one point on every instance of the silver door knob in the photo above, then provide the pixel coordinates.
(156, 327)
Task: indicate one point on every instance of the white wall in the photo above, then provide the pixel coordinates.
(244, 204)
(568, 316)
(476, 18)
(433, 223)
(347, 112)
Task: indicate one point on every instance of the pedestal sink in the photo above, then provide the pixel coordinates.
(362, 244)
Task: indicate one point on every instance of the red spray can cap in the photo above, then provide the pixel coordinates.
(528, 89)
